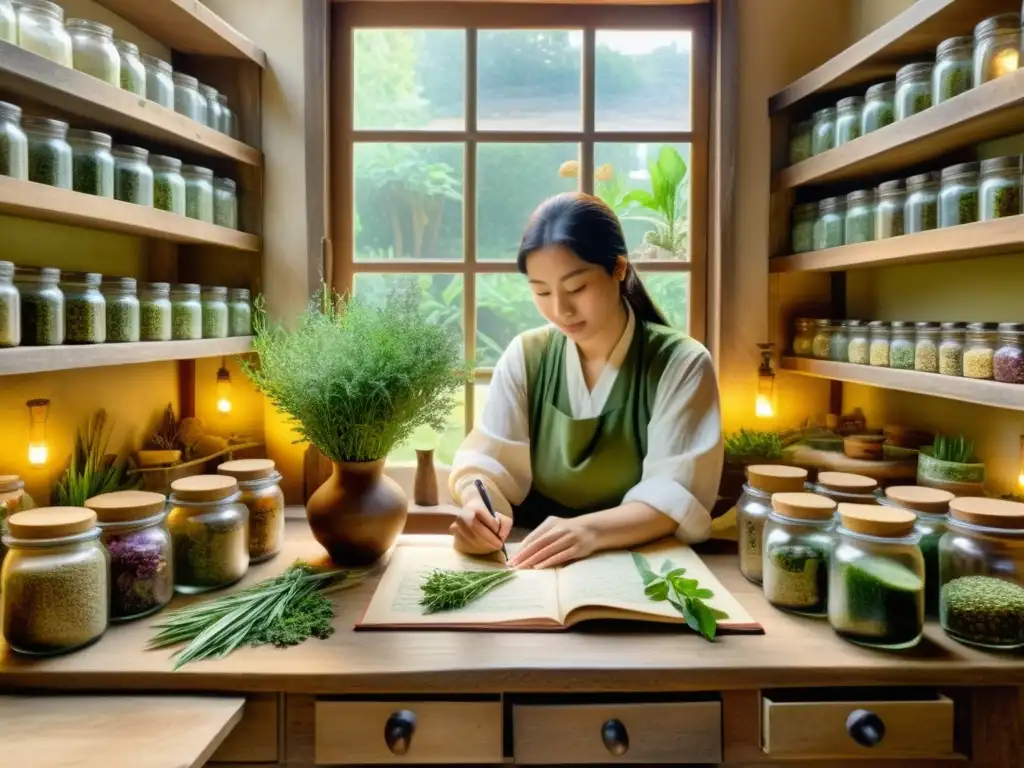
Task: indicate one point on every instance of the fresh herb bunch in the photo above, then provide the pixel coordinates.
(955, 449)
(686, 595)
(450, 590)
(91, 470)
(751, 443)
(358, 379)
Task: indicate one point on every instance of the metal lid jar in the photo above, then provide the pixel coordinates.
(186, 312)
(980, 350)
(860, 217)
(981, 569)
(999, 190)
(753, 508)
(796, 551)
(802, 234)
(954, 68)
(159, 81)
(139, 545)
(41, 30)
(823, 137)
(225, 203)
(913, 89)
(1008, 362)
(878, 331)
(848, 119)
(215, 311)
(155, 312)
(123, 313)
(830, 226)
(259, 482)
(892, 198)
(56, 583)
(958, 198)
(92, 162)
(93, 51)
(228, 120)
(800, 141)
(926, 347)
(10, 307)
(845, 487)
(85, 309)
(803, 337)
(214, 116)
(876, 578)
(859, 349)
(209, 532)
(133, 72)
(901, 348)
(822, 341)
(49, 154)
(239, 312)
(879, 107)
(951, 349)
(13, 143)
(42, 306)
(133, 178)
(996, 47)
(188, 101)
(198, 192)
(839, 345)
(921, 211)
(168, 184)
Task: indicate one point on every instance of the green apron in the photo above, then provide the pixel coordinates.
(585, 465)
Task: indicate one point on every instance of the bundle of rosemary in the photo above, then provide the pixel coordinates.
(450, 590)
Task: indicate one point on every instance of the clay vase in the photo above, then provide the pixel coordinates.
(424, 491)
(358, 513)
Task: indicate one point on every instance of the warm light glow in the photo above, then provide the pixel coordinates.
(224, 405)
(1020, 480)
(1005, 62)
(223, 391)
(37, 454)
(764, 409)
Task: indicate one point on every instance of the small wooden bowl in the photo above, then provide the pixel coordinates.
(867, 447)
(906, 437)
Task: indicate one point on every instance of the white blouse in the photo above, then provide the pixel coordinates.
(685, 451)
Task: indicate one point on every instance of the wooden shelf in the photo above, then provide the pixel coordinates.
(187, 26)
(103, 107)
(62, 206)
(877, 56)
(989, 393)
(994, 110)
(68, 357)
(966, 241)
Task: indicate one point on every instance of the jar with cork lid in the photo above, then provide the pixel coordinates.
(754, 506)
(845, 487)
(876, 578)
(209, 532)
(13, 495)
(796, 552)
(139, 544)
(981, 570)
(259, 481)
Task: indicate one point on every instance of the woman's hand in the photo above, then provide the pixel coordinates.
(476, 532)
(555, 541)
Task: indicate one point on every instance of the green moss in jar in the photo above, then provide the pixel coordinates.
(42, 321)
(983, 610)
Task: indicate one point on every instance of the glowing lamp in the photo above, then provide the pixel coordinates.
(38, 453)
(223, 389)
(764, 406)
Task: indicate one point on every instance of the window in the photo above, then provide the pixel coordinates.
(452, 122)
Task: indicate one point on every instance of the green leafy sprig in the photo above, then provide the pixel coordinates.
(445, 590)
(957, 449)
(92, 470)
(686, 595)
(752, 443)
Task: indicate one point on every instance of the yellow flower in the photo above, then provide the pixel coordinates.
(570, 169)
(604, 172)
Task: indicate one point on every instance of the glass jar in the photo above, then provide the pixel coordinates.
(139, 545)
(209, 533)
(859, 349)
(13, 143)
(845, 487)
(168, 184)
(981, 569)
(198, 192)
(824, 136)
(259, 482)
(958, 199)
(913, 89)
(155, 312)
(186, 313)
(56, 583)
(215, 311)
(800, 141)
(954, 65)
(49, 154)
(8, 22)
(926, 348)
(839, 343)
(133, 73)
(878, 331)
(1007, 364)
(123, 313)
(93, 51)
(830, 226)
(42, 306)
(41, 30)
(159, 81)
(822, 339)
(930, 506)
(10, 307)
(879, 107)
(803, 338)
(13, 496)
(239, 312)
(999, 191)
(797, 544)
(213, 114)
(754, 506)
(848, 119)
(133, 178)
(889, 211)
(901, 348)
(225, 203)
(227, 117)
(876, 578)
(921, 212)
(980, 350)
(85, 309)
(803, 227)
(860, 216)
(188, 101)
(92, 163)
(996, 47)
(951, 349)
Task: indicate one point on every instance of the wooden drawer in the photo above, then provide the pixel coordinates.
(840, 729)
(254, 739)
(423, 732)
(669, 732)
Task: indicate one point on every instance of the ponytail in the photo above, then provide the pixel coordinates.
(636, 295)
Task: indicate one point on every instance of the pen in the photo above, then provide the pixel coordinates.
(487, 503)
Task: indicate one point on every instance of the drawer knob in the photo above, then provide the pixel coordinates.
(866, 728)
(398, 731)
(615, 737)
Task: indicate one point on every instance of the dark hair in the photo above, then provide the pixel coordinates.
(589, 228)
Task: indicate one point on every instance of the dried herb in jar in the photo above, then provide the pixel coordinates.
(902, 356)
(207, 554)
(798, 577)
(953, 81)
(882, 601)
(154, 320)
(922, 101)
(186, 321)
(1006, 202)
(984, 610)
(140, 574)
(978, 363)
(265, 529)
(41, 320)
(122, 321)
(85, 323)
(967, 208)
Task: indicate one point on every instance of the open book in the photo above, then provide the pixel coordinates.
(604, 586)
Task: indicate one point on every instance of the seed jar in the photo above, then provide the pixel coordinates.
(926, 348)
(879, 107)
(168, 184)
(159, 81)
(848, 119)
(999, 191)
(215, 312)
(92, 162)
(913, 89)
(796, 552)
(49, 154)
(879, 333)
(93, 50)
(958, 199)
(259, 482)
(892, 199)
(951, 349)
(860, 216)
(755, 505)
(41, 30)
(42, 306)
(186, 313)
(85, 309)
(239, 312)
(902, 346)
(133, 71)
(830, 226)
(188, 101)
(1008, 362)
(980, 350)
(13, 143)
(954, 68)
(133, 178)
(198, 192)
(155, 312)
(921, 212)
(123, 323)
(824, 136)
(803, 227)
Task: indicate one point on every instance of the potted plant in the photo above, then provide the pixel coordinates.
(356, 380)
(950, 465)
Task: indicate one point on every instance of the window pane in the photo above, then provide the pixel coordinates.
(670, 292)
(441, 295)
(408, 200)
(444, 444)
(479, 401)
(642, 81)
(512, 180)
(529, 80)
(410, 79)
(505, 308)
(656, 225)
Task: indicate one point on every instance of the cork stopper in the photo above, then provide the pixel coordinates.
(845, 482)
(872, 520)
(244, 470)
(126, 506)
(930, 501)
(992, 513)
(199, 488)
(776, 478)
(804, 506)
(51, 522)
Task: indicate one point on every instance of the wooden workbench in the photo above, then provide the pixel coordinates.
(488, 697)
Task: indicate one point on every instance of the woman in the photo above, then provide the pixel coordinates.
(602, 430)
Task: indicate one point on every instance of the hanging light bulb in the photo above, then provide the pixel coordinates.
(764, 407)
(223, 389)
(38, 453)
